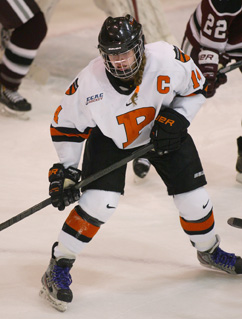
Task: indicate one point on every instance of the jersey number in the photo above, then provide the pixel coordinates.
(135, 121)
(219, 30)
(163, 82)
(196, 77)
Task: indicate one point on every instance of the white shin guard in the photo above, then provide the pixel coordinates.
(99, 205)
(194, 208)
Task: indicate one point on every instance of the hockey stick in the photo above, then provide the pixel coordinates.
(230, 67)
(86, 181)
(232, 221)
(235, 222)
(136, 15)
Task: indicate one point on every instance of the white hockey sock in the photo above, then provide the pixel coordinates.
(61, 251)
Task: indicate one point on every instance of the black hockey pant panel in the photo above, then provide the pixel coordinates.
(180, 170)
(101, 152)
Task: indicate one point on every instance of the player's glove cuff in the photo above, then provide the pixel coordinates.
(168, 131)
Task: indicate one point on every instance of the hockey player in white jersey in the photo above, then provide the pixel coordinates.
(130, 95)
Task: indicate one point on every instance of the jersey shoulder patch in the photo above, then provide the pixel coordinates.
(180, 55)
(72, 89)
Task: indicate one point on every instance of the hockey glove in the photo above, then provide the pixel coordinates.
(61, 187)
(208, 64)
(168, 131)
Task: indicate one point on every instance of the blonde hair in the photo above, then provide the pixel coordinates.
(138, 79)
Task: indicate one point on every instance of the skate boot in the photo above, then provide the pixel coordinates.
(141, 167)
(239, 160)
(216, 258)
(56, 281)
(13, 101)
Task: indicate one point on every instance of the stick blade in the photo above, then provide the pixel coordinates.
(235, 222)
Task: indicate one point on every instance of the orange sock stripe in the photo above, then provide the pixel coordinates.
(80, 225)
(200, 226)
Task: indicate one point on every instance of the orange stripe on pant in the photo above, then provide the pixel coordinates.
(197, 227)
(80, 225)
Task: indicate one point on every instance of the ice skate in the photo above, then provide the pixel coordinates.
(216, 258)
(13, 104)
(141, 167)
(56, 281)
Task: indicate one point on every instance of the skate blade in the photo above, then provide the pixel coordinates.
(217, 269)
(4, 111)
(57, 304)
(239, 177)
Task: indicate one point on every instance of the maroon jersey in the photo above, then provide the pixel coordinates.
(215, 25)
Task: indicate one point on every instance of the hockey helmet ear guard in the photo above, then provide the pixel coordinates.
(121, 35)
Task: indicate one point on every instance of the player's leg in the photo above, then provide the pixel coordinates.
(95, 207)
(185, 180)
(29, 29)
(197, 220)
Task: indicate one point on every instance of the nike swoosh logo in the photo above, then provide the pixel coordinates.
(110, 206)
(204, 206)
(127, 104)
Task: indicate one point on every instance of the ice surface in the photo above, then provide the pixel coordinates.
(141, 264)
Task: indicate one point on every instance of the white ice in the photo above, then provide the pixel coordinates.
(141, 263)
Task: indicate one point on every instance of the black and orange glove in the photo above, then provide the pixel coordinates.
(62, 181)
(169, 130)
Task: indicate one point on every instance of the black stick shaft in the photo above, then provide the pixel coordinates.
(230, 67)
(235, 222)
(86, 181)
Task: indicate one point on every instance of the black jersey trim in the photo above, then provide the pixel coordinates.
(66, 134)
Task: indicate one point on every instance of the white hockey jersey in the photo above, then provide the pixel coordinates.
(170, 79)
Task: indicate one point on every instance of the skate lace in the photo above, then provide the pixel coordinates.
(13, 96)
(61, 277)
(223, 258)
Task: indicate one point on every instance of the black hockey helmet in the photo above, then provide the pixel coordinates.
(120, 35)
